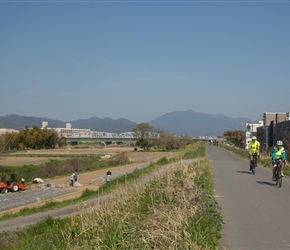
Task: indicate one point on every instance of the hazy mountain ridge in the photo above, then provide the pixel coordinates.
(106, 125)
(197, 124)
(178, 122)
(20, 122)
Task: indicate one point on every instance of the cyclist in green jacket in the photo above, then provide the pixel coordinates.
(254, 148)
(278, 152)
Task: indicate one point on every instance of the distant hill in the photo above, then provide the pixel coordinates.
(94, 123)
(105, 125)
(197, 124)
(179, 122)
(20, 122)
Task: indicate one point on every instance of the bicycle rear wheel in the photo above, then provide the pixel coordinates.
(254, 165)
(280, 179)
(254, 169)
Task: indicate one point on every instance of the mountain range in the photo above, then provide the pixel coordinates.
(179, 122)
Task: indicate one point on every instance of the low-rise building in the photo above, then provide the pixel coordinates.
(251, 130)
(8, 130)
(275, 127)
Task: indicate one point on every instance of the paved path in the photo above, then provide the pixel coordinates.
(254, 210)
(22, 198)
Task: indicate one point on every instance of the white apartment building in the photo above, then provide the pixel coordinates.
(251, 130)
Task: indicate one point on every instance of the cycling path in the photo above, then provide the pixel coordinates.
(255, 211)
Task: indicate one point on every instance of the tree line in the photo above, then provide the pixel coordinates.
(42, 138)
(33, 138)
(148, 137)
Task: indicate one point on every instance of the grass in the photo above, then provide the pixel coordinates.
(175, 211)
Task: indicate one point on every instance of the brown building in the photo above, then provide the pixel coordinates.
(275, 127)
(268, 117)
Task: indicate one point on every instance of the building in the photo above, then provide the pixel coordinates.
(275, 127)
(268, 117)
(251, 130)
(8, 130)
(69, 132)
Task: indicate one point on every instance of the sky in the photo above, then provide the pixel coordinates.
(70, 60)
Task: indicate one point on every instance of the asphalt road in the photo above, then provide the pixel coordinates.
(255, 211)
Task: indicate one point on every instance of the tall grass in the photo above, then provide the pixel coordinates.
(196, 150)
(174, 211)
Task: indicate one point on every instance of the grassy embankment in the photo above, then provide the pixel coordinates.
(175, 211)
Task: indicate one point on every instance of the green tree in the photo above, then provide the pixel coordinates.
(169, 141)
(237, 137)
(9, 141)
(144, 133)
(185, 140)
(62, 142)
(37, 138)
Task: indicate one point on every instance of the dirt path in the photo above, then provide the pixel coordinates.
(39, 156)
(84, 179)
(21, 222)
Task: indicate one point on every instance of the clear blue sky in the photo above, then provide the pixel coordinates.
(70, 60)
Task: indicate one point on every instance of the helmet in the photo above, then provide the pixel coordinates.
(279, 143)
(254, 138)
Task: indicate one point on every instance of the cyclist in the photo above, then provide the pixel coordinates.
(278, 152)
(254, 148)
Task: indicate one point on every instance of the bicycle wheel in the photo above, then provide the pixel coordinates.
(254, 169)
(254, 165)
(279, 178)
(276, 177)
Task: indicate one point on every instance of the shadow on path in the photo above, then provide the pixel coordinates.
(266, 183)
(244, 172)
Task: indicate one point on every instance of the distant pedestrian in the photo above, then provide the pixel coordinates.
(108, 175)
(73, 178)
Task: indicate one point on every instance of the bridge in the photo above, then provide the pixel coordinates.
(102, 137)
(76, 136)
(110, 140)
(74, 141)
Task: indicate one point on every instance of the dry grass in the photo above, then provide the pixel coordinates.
(154, 216)
(84, 178)
(174, 210)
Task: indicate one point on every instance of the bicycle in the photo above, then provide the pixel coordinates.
(278, 176)
(254, 163)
